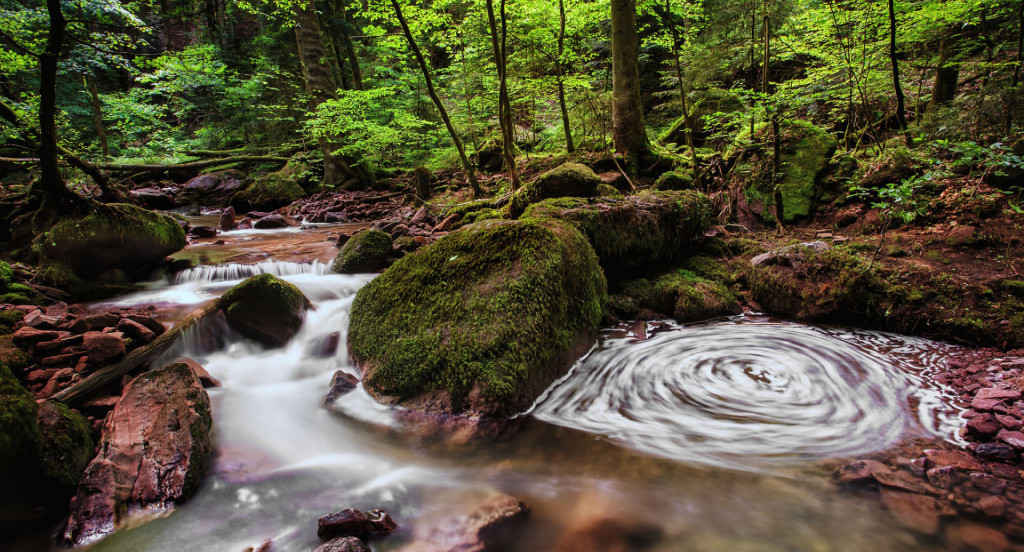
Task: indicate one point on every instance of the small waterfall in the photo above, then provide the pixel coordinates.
(230, 272)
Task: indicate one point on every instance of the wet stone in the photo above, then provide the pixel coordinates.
(956, 458)
(944, 477)
(983, 425)
(1013, 438)
(993, 506)
(974, 536)
(914, 511)
(1009, 422)
(341, 383)
(861, 471)
(987, 483)
(343, 544)
(997, 451)
(353, 523)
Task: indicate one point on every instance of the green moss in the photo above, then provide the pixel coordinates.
(366, 251)
(637, 230)
(501, 307)
(271, 191)
(20, 443)
(607, 190)
(6, 275)
(57, 274)
(565, 180)
(937, 257)
(1014, 287)
(689, 297)
(674, 180)
(265, 308)
(8, 319)
(67, 445)
(112, 236)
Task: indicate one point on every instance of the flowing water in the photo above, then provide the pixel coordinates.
(712, 433)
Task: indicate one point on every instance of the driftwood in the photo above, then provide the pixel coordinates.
(191, 165)
(137, 358)
(19, 159)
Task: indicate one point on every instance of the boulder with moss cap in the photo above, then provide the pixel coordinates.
(366, 251)
(565, 180)
(113, 236)
(636, 230)
(480, 322)
(271, 191)
(265, 308)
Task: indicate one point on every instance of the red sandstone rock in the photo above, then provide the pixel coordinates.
(102, 347)
(1013, 438)
(447, 223)
(861, 471)
(956, 458)
(343, 544)
(488, 527)
(974, 536)
(135, 330)
(914, 511)
(353, 523)
(27, 335)
(983, 426)
(153, 449)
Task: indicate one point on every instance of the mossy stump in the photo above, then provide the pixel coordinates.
(366, 251)
(265, 308)
(480, 322)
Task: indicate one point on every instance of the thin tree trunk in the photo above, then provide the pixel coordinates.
(753, 70)
(498, 37)
(1020, 43)
(682, 91)
(569, 145)
(350, 50)
(628, 131)
(56, 196)
(97, 114)
(901, 115)
(780, 211)
(470, 173)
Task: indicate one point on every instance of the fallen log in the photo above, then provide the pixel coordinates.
(143, 355)
(191, 165)
(19, 159)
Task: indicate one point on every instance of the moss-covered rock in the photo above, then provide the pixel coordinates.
(634, 231)
(705, 103)
(67, 445)
(113, 236)
(565, 180)
(20, 443)
(265, 308)
(366, 251)
(480, 322)
(273, 190)
(674, 180)
(6, 275)
(806, 151)
(679, 293)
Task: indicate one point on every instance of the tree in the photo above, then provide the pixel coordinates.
(569, 145)
(901, 108)
(508, 137)
(628, 130)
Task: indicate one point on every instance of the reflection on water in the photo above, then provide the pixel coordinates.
(701, 431)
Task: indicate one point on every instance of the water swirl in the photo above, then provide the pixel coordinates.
(750, 396)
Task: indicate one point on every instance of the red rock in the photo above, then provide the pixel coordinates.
(957, 458)
(966, 535)
(987, 483)
(135, 330)
(904, 481)
(983, 425)
(26, 334)
(861, 471)
(61, 360)
(343, 544)
(993, 506)
(155, 444)
(42, 375)
(99, 321)
(1001, 394)
(149, 322)
(1009, 422)
(204, 377)
(102, 347)
(57, 310)
(944, 477)
(914, 511)
(40, 321)
(985, 404)
(487, 526)
(1013, 438)
(341, 383)
(75, 326)
(447, 223)
(610, 534)
(227, 220)
(353, 523)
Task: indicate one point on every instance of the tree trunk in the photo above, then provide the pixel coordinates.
(569, 145)
(353, 59)
(1020, 43)
(470, 173)
(946, 77)
(628, 132)
(97, 114)
(319, 84)
(56, 196)
(508, 138)
(687, 123)
(901, 107)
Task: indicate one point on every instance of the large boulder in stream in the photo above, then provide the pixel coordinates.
(265, 308)
(154, 447)
(272, 190)
(634, 231)
(366, 251)
(113, 236)
(565, 180)
(480, 322)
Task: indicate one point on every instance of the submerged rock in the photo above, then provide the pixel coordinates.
(154, 447)
(112, 236)
(490, 526)
(227, 220)
(343, 544)
(265, 308)
(634, 231)
(354, 523)
(366, 251)
(480, 322)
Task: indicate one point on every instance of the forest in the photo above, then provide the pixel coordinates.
(512, 275)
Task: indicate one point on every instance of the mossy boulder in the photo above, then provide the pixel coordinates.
(674, 180)
(12, 292)
(805, 154)
(366, 251)
(565, 180)
(680, 293)
(634, 231)
(113, 236)
(6, 275)
(265, 308)
(480, 322)
(20, 443)
(67, 445)
(272, 191)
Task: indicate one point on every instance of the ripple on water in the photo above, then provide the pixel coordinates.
(753, 396)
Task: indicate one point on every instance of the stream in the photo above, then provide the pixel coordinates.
(713, 433)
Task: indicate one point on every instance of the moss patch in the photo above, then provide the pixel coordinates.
(366, 251)
(485, 318)
(565, 180)
(265, 308)
(674, 180)
(20, 443)
(272, 191)
(67, 445)
(634, 231)
(112, 236)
